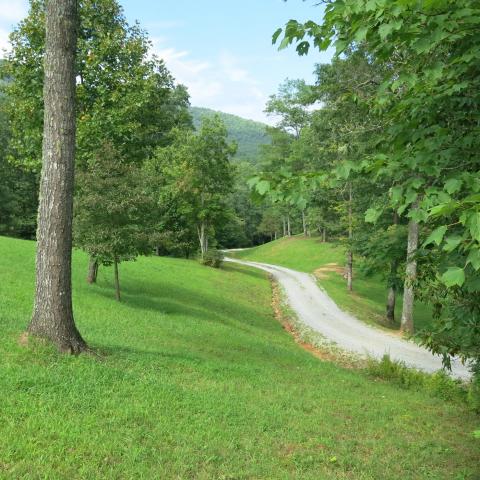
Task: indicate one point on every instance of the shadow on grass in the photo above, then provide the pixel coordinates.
(167, 299)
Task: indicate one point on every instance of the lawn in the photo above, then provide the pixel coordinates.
(368, 299)
(197, 380)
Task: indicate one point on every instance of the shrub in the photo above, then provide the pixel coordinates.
(213, 258)
(439, 384)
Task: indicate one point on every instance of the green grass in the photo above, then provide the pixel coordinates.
(368, 299)
(199, 381)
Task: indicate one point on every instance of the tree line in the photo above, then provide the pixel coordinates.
(382, 152)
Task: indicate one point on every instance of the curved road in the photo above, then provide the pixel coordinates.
(317, 310)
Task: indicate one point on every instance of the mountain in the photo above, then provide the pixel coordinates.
(247, 133)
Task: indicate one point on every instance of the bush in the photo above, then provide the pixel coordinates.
(213, 258)
(439, 384)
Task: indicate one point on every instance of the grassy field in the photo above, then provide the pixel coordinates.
(197, 380)
(368, 299)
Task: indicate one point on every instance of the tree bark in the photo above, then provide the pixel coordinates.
(117, 281)
(407, 324)
(392, 285)
(92, 270)
(304, 223)
(391, 299)
(202, 238)
(350, 237)
(52, 316)
(289, 231)
(284, 226)
(324, 235)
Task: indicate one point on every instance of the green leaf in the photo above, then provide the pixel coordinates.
(436, 236)
(454, 276)
(473, 224)
(285, 43)
(451, 243)
(275, 36)
(453, 185)
(372, 215)
(474, 259)
(361, 34)
(262, 187)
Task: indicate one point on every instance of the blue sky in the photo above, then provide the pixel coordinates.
(220, 49)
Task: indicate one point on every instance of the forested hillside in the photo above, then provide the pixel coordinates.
(248, 134)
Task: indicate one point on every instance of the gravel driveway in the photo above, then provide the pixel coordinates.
(317, 310)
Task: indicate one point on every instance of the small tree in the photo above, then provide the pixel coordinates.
(114, 211)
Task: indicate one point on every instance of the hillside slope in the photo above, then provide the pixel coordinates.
(248, 134)
(196, 379)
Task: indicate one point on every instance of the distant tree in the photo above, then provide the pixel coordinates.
(115, 213)
(52, 312)
(198, 174)
(290, 106)
(18, 189)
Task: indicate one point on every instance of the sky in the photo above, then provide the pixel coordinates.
(220, 49)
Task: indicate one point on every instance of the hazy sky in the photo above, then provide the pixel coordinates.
(220, 49)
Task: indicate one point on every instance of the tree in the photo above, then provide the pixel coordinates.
(115, 213)
(18, 189)
(53, 313)
(430, 96)
(197, 173)
(290, 104)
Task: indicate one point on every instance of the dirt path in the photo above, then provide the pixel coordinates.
(317, 310)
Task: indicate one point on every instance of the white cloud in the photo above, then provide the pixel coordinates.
(222, 83)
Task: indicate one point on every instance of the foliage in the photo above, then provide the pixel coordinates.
(429, 98)
(439, 384)
(123, 95)
(197, 176)
(213, 258)
(114, 209)
(18, 189)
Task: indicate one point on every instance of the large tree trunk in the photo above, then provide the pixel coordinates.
(92, 270)
(324, 235)
(406, 324)
(289, 230)
(304, 224)
(117, 281)
(350, 238)
(284, 226)
(52, 317)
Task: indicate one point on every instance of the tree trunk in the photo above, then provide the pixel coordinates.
(284, 227)
(157, 251)
(406, 324)
(117, 281)
(202, 238)
(304, 223)
(392, 285)
(52, 316)
(289, 231)
(92, 270)
(350, 238)
(324, 235)
(391, 298)
(349, 270)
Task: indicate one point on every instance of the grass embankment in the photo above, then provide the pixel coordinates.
(198, 381)
(368, 299)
